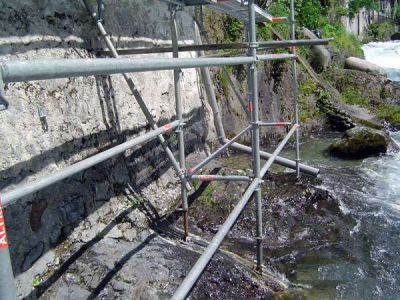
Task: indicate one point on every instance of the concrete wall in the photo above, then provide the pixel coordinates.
(86, 116)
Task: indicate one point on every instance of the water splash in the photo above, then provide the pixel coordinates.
(385, 55)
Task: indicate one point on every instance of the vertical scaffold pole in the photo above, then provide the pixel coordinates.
(253, 92)
(7, 284)
(179, 116)
(295, 89)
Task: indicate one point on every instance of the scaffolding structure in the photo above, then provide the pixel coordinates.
(250, 14)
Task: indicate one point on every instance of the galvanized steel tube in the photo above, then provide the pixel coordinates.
(253, 88)
(7, 284)
(221, 178)
(179, 116)
(279, 160)
(194, 274)
(30, 188)
(17, 71)
(295, 90)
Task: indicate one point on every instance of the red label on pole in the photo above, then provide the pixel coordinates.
(3, 235)
(250, 107)
(293, 48)
(280, 124)
(207, 177)
(167, 126)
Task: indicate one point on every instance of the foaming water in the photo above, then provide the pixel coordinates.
(369, 192)
(385, 55)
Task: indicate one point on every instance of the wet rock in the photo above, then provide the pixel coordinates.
(395, 36)
(360, 142)
(359, 64)
(338, 119)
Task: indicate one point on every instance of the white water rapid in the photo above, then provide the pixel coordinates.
(385, 55)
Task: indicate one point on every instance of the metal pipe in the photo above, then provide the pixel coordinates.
(7, 284)
(139, 99)
(207, 255)
(220, 178)
(279, 160)
(210, 47)
(275, 123)
(295, 89)
(200, 165)
(278, 150)
(179, 116)
(253, 88)
(17, 71)
(30, 188)
(277, 56)
(100, 9)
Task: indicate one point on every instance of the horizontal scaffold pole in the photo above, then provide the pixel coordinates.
(221, 178)
(215, 47)
(17, 71)
(35, 186)
(279, 160)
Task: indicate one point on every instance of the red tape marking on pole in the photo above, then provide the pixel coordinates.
(293, 48)
(207, 177)
(3, 234)
(167, 126)
(278, 19)
(280, 124)
(250, 107)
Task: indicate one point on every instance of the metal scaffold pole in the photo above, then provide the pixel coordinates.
(295, 89)
(7, 284)
(133, 88)
(253, 89)
(179, 116)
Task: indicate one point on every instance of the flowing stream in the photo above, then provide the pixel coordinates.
(369, 191)
(369, 265)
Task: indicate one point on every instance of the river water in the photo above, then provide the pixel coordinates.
(368, 267)
(369, 191)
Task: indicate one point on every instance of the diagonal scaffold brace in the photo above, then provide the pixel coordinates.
(98, 18)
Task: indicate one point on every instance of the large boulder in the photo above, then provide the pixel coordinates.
(360, 142)
(360, 64)
(321, 58)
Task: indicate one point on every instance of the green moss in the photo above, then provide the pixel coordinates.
(391, 113)
(352, 95)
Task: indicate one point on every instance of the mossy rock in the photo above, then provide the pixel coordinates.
(360, 142)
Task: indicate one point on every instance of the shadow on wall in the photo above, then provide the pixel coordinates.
(41, 221)
(57, 24)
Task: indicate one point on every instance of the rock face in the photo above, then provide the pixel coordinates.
(86, 115)
(359, 64)
(360, 142)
